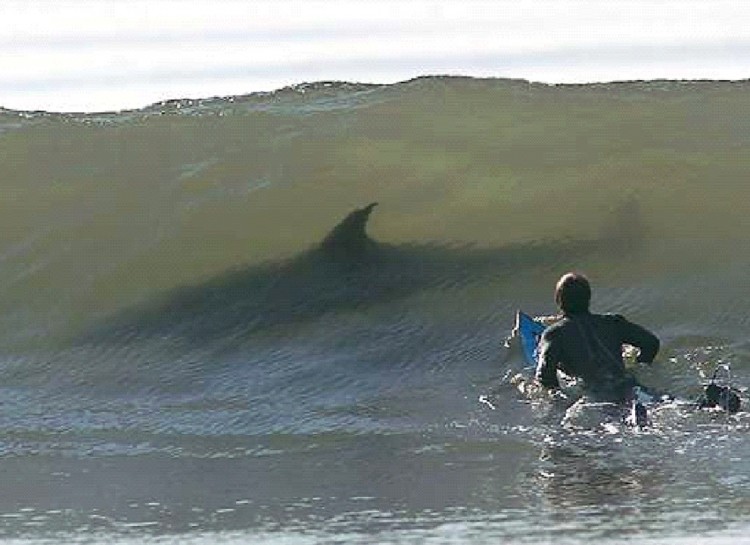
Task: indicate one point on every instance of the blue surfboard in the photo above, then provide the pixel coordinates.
(530, 332)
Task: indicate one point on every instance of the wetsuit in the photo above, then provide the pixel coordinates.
(589, 346)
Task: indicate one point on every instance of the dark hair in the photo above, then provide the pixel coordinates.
(573, 293)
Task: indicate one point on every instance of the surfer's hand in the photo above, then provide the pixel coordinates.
(630, 354)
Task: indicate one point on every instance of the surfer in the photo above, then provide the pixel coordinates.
(589, 346)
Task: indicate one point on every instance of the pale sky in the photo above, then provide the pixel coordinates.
(94, 55)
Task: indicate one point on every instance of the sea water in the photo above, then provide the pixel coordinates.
(180, 362)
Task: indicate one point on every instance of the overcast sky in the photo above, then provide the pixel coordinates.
(93, 55)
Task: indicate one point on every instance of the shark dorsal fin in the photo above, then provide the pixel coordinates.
(349, 238)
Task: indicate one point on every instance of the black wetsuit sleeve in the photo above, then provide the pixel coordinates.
(549, 357)
(639, 337)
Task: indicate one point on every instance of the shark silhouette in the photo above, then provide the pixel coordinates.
(346, 271)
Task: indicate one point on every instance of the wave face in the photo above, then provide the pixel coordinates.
(198, 281)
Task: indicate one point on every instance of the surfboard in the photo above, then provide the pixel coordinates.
(530, 332)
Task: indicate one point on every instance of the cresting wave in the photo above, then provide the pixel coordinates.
(201, 288)
(107, 211)
(143, 249)
(347, 271)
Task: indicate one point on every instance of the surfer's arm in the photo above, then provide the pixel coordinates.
(641, 338)
(546, 368)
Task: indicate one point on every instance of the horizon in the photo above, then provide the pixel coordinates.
(297, 87)
(113, 55)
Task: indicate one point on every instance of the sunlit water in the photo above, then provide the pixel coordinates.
(182, 363)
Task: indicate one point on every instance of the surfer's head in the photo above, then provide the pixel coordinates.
(573, 293)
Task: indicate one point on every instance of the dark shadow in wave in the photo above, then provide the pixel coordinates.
(347, 271)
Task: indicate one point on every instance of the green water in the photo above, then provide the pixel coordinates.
(488, 191)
